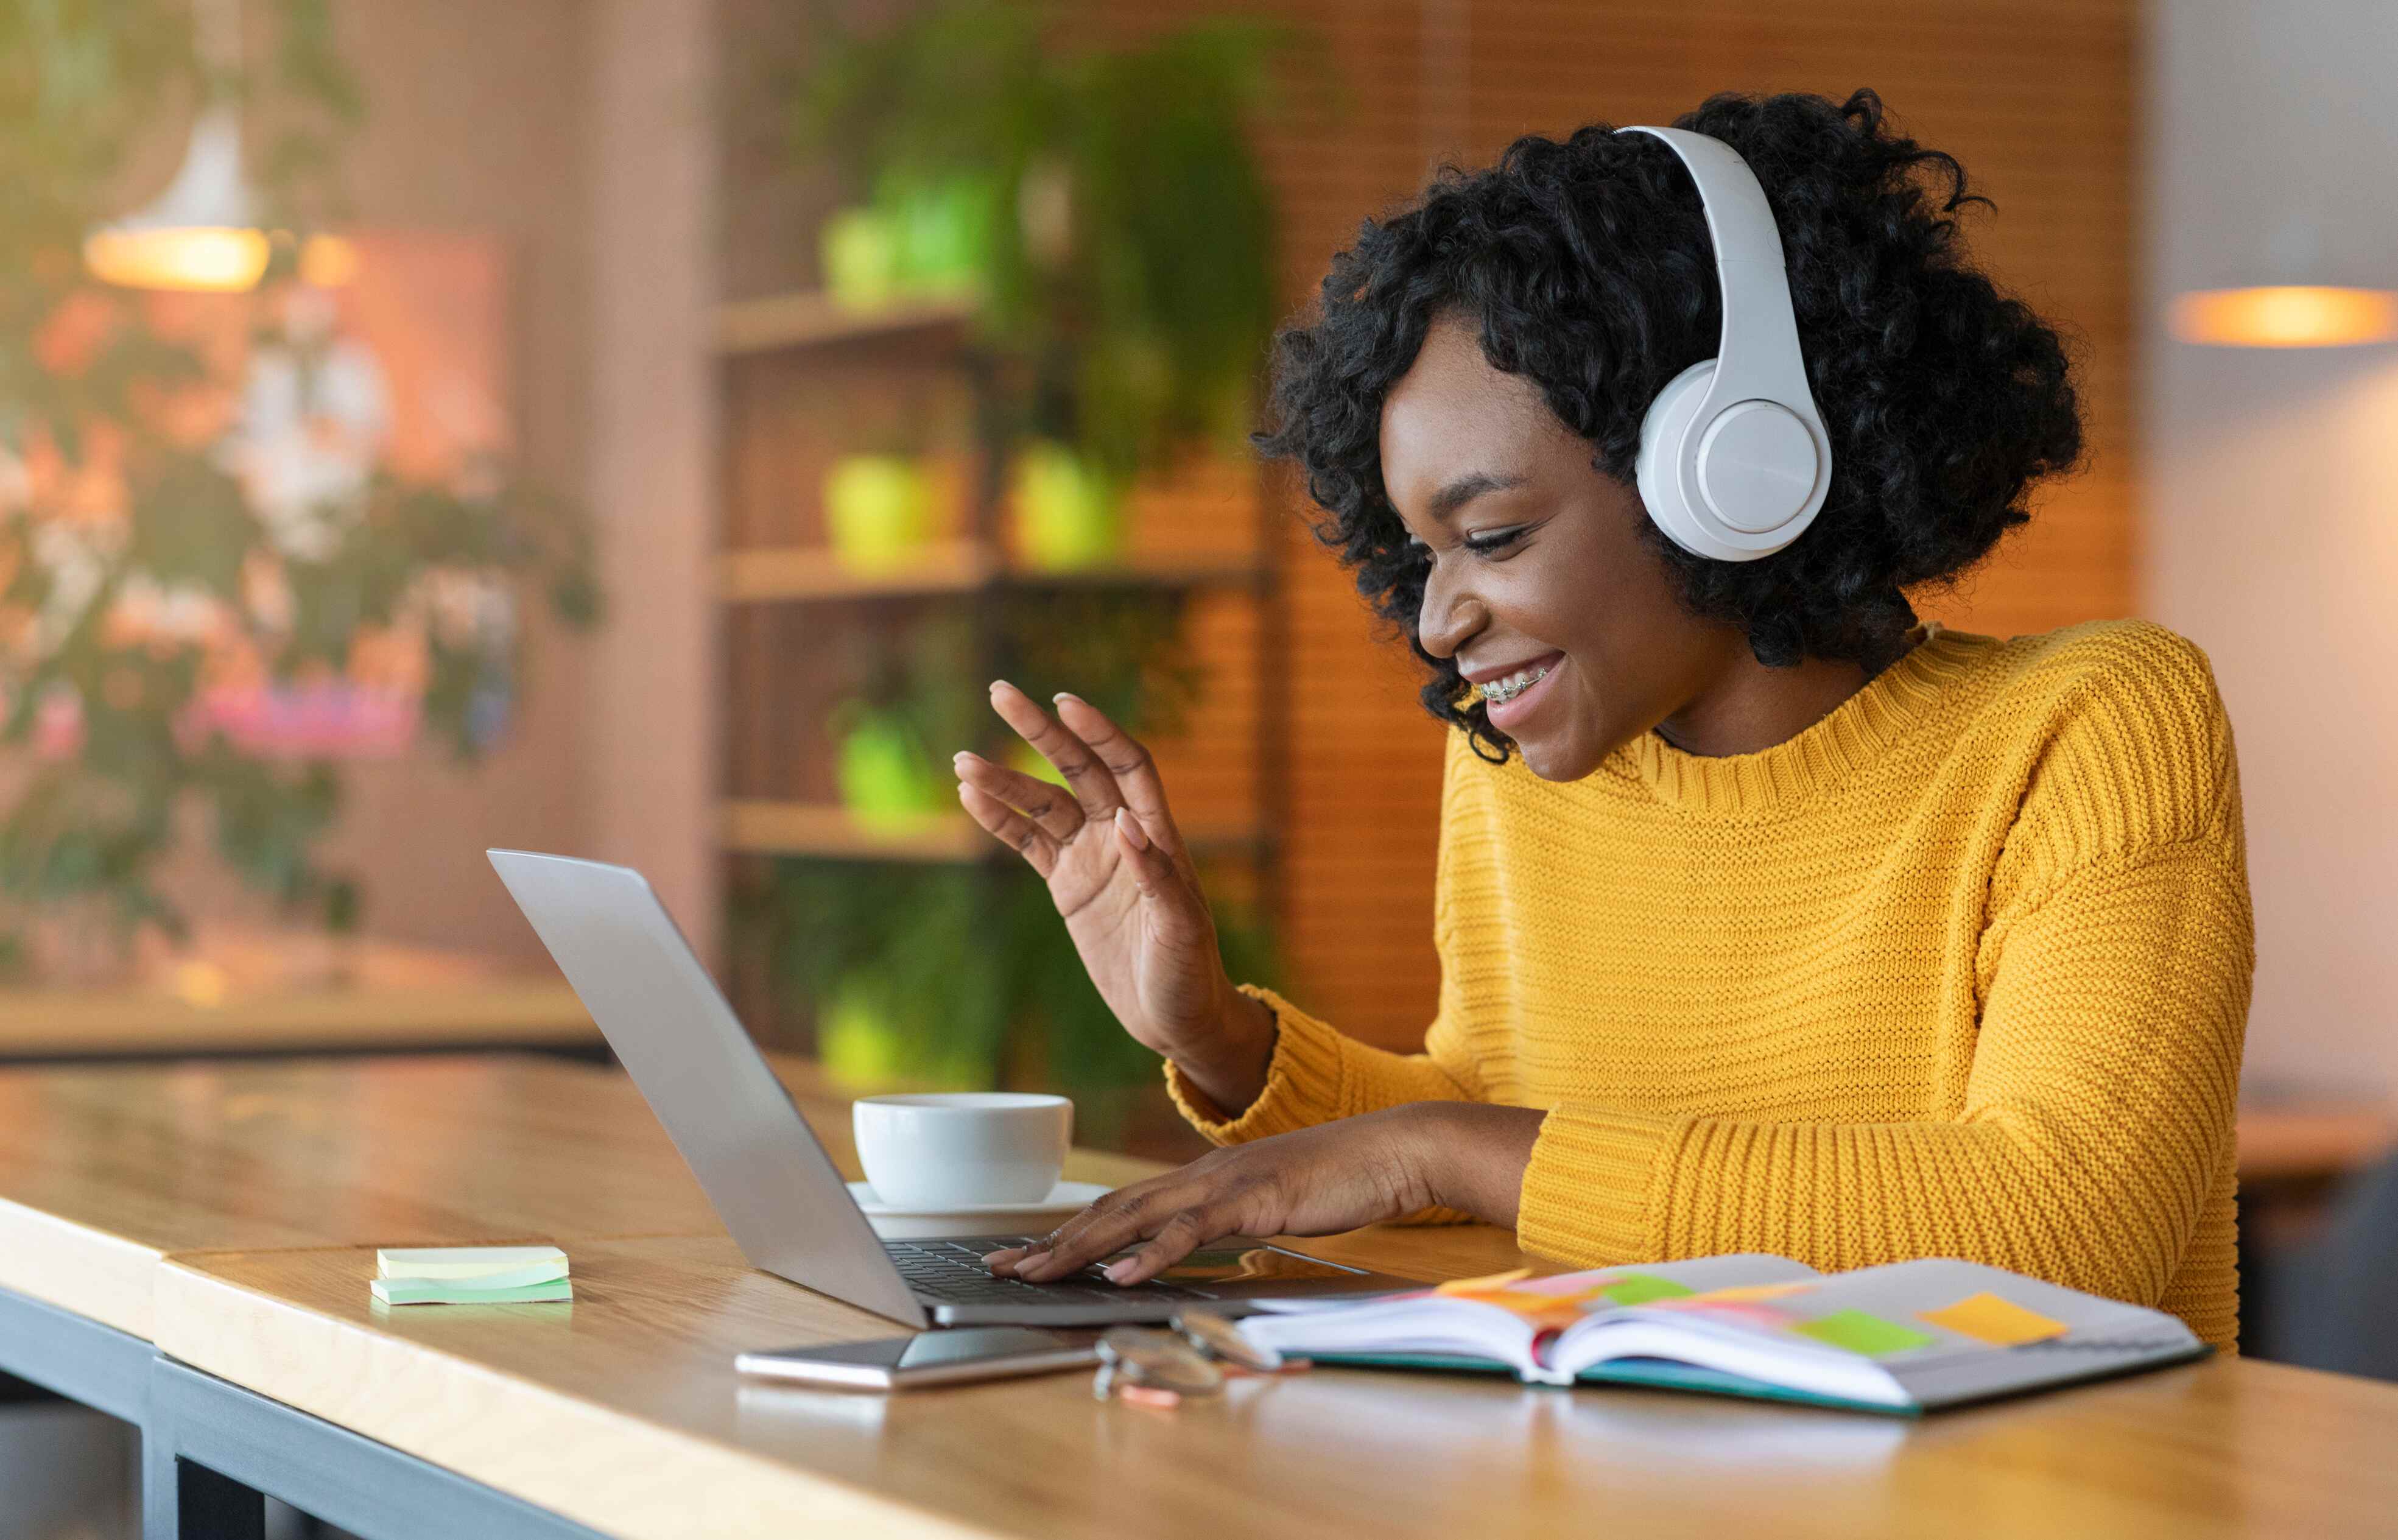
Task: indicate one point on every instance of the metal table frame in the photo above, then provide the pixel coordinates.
(213, 1452)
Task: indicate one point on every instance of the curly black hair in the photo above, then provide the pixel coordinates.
(1588, 266)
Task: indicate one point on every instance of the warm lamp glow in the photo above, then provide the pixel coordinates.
(202, 232)
(212, 258)
(2286, 317)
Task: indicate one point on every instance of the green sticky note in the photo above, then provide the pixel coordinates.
(1859, 1332)
(1641, 1288)
(453, 1292)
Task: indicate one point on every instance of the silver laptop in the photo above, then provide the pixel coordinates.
(761, 1167)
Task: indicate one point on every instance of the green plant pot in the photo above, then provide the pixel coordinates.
(857, 1040)
(864, 1040)
(878, 510)
(858, 250)
(1068, 514)
(885, 778)
(943, 232)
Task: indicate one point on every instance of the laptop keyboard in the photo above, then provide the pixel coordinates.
(953, 1273)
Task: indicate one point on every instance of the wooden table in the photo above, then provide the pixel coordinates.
(107, 1171)
(134, 1023)
(251, 1198)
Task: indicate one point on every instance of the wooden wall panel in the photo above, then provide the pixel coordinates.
(2036, 96)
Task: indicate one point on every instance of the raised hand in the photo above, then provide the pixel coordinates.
(1122, 878)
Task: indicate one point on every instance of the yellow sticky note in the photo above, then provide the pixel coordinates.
(1486, 1284)
(2001, 1323)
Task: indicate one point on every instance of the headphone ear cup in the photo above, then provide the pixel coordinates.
(1662, 429)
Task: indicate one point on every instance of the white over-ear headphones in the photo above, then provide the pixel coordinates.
(1733, 460)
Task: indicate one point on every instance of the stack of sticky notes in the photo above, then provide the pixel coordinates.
(470, 1275)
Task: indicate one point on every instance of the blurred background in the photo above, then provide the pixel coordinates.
(638, 428)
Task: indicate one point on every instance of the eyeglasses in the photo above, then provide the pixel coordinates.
(1151, 1368)
(1218, 1338)
(1148, 1366)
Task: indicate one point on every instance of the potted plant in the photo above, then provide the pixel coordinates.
(1119, 229)
(918, 969)
(1103, 210)
(197, 606)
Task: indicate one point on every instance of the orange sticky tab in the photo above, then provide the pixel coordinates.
(1745, 1293)
(1492, 1283)
(2001, 1323)
(1568, 1286)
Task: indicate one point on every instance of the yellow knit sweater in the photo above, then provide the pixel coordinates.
(1960, 970)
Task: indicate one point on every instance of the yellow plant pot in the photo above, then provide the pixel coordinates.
(1067, 513)
(878, 510)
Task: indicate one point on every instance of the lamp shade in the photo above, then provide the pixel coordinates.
(2286, 316)
(200, 234)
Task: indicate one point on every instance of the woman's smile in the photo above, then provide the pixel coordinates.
(1513, 696)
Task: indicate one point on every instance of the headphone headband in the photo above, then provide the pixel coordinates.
(1739, 471)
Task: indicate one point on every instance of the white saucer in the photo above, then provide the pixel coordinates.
(974, 1219)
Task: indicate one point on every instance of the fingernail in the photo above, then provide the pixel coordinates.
(965, 756)
(1119, 1271)
(1132, 829)
(1068, 694)
(1000, 683)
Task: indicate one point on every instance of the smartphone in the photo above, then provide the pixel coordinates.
(946, 1357)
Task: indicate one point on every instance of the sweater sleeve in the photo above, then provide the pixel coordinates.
(1317, 1074)
(2097, 1110)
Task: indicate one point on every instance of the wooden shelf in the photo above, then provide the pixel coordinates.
(800, 573)
(763, 828)
(813, 318)
(813, 572)
(814, 829)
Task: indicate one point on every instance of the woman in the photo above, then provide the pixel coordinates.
(1769, 919)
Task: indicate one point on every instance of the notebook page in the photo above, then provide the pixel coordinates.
(1942, 1330)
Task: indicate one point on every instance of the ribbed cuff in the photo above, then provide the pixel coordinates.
(1592, 1186)
(1304, 1080)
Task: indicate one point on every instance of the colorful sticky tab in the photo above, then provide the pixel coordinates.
(1859, 1332)
(1762, 1317)
(1749, 1292)
(1643, 1287)
(2001, 1323)
(1577, 1286)
(1487, 1283)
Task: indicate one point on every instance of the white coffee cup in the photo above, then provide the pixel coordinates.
(962, 1148)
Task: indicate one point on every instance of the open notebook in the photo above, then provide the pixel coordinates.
(1909, 1337)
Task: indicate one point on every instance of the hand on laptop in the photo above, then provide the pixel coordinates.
(1468, 1156)
(1119, 873)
